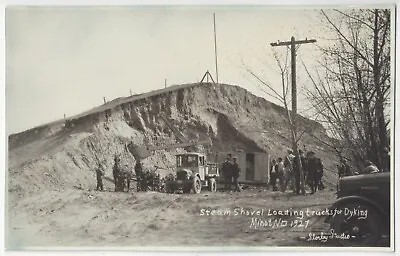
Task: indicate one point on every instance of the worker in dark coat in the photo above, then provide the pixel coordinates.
(99, 177)
(236, 174)
(116, 173)
(288, 171)
(139, 175)
(303, 160)
(315, 172)
(296, 172)
(320, 174)
(386, 160)
(280, 170)
(273, 174)
(227, 173)
(312, 170)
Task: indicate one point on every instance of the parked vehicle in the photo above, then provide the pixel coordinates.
(192, 173)
(365, 204)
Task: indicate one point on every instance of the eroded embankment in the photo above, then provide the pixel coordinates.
(61, 155)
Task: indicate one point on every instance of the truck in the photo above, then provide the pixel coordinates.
(192, 173)
(364, 203)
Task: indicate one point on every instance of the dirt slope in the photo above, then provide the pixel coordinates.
(59, 155)
(48, 163)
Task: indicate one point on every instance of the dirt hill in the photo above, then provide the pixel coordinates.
(51, 201)
(63, 154)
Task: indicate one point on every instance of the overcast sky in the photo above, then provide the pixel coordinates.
(64, 60)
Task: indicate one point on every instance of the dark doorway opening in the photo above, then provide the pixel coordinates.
(250, 166)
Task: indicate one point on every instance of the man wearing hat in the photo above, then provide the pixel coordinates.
(99, 175)
(116, 171)
(139, 175)
(344, 169)
(315, 172)
(288, 170)
(386, 160)
(296, 172)
(227, 173)
(236, 174)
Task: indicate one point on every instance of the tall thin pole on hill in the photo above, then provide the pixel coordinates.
(292, 43)
(215, 49)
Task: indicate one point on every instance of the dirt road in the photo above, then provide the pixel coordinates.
(76, 217)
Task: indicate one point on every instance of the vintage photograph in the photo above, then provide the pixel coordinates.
(173, 127)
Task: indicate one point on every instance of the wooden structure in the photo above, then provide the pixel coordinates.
(254, 166)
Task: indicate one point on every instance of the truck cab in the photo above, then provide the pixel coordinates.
(193, 172)
(369, 194)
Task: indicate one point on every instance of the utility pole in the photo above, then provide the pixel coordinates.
(215, 49)
(165, 83)
(292, 43)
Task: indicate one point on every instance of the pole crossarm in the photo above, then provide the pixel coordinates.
(295, 42)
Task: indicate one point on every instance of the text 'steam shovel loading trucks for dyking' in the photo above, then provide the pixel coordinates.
(193, 170)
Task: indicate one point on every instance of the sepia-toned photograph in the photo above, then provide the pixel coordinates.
(207, 127)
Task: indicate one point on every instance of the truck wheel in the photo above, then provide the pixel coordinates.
(196, 185)
(212, 185)
(361, 231)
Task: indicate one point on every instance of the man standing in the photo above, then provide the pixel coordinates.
(320, 174)
(340, 169)
(369, 167)
(303, 160)
(315, 172)
(312, 170)
(386, 160)
(116, 172)
(99, 175)
(139, 175)
(273, 174)
(280, 170)
(236, 174)
(296, 172)
(344, 169)
(227, 172)
(288, 170)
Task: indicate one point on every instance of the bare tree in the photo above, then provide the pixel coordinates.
(282, 97)
(351, 94)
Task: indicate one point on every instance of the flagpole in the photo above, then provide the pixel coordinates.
(215, 49)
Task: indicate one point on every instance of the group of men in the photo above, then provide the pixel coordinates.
(369, 167)
(121, 176)
(288, 170)
(231, 173)
(146, 180)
